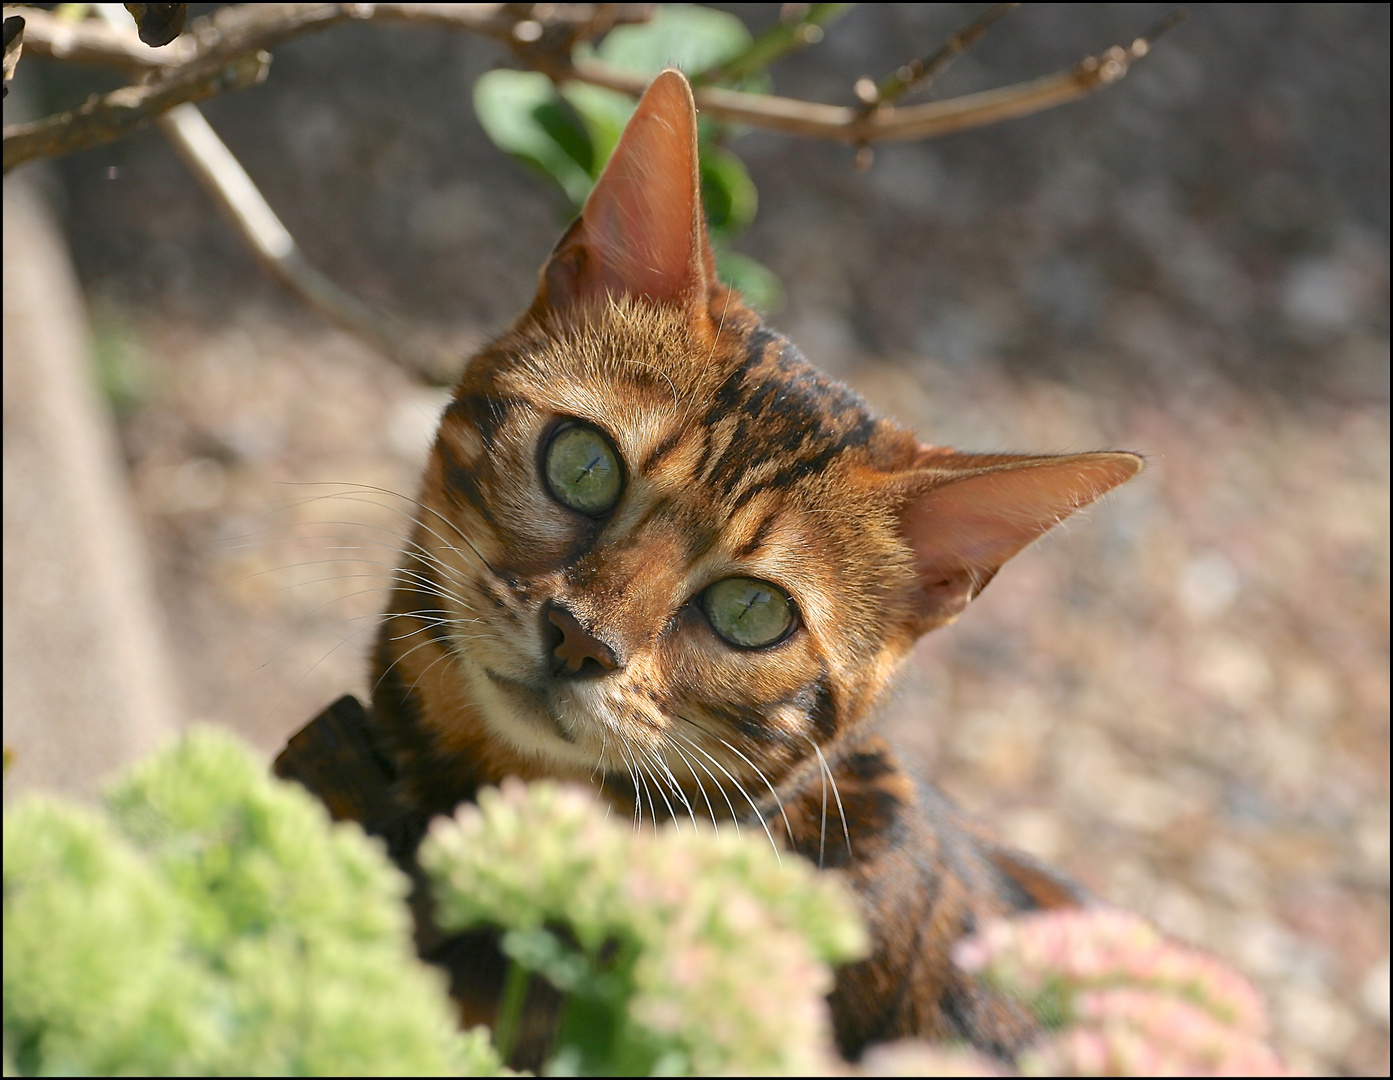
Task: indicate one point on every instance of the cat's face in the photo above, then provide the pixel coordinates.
(677, 548)
(659, 544)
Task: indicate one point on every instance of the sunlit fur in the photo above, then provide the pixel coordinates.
(741, 460)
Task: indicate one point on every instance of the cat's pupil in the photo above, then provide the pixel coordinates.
(747, 612)
(582, 470)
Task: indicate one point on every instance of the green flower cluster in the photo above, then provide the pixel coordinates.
(680, 952)
(213, 921)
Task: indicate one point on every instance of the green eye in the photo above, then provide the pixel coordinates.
(583, 470)
(748, 613)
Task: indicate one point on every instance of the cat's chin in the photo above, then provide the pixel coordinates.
(524, 718)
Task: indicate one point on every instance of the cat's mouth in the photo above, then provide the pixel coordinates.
(576, 729)
(568, 734)
(535, 710)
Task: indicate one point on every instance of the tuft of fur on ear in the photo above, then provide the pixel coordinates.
(969, 513)
(641, 232)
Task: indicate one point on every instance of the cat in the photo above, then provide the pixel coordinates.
(657, 553)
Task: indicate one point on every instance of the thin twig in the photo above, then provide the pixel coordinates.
(261, 25)
(1160, 26)
(221, 175)
(225, 51)
(927, 121)
(110, 116)
(91, 42)
(924, 70)
(240, 27)
(235, 194)
(776, 42)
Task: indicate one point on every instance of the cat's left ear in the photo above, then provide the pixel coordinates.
(641, 232)
(966, 514)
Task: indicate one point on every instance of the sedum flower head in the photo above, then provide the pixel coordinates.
(213, 921)
(93, 977)
(1122, 999)
(708, 954)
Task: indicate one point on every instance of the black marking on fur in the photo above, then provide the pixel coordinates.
(662, 450)
(761, 534)
(392, 699)
(752, 722)
(823, 712)
(460, 481)
(484, 413)
(785, 408)
(811, 465)
(727, 397)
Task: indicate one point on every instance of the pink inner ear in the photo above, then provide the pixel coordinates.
(963, 529)
(639, 219)
(640, 233)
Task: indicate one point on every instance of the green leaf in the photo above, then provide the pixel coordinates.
(686, 36)
(565, 127)
(727, 191)
(753, 280)
(604, 113)
(569, 136)
(523, 115)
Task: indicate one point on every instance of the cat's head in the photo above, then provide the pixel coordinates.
(666, 545)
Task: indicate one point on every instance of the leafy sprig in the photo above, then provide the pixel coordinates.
(567, 133)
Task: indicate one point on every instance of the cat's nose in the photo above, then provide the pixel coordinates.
(576, 653)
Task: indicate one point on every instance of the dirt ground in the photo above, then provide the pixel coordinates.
(1182, 697)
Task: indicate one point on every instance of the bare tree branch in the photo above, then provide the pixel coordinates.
(845, 124)
(89, 41)
(14, 45)
(247, 26)
(221, 175)
(241, 27)
(226, 51)
(233, 192)
(109, 117)
(925, 69)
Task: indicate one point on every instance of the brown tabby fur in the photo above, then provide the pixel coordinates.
(740, 460)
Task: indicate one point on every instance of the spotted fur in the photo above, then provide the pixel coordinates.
(739, 460)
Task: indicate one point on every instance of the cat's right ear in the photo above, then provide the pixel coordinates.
(966, 514)
(641, 232)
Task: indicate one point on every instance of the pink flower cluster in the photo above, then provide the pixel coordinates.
(1123, 1000)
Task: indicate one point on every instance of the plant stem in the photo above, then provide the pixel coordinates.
(505, 1031)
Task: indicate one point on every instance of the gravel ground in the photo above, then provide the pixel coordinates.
(1182, 698)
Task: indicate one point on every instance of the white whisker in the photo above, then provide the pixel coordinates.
(701, 786)
(738, 786)
(846, 831)
(658, 761)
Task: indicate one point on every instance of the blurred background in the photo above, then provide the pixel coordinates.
(1182, 698)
